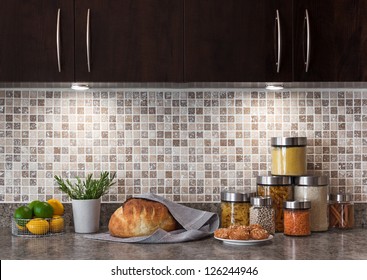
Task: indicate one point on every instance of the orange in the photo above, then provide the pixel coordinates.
(43, 210)
(57, 206)
(57, 224)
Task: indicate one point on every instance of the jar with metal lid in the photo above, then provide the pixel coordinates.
(314, 189)
(262, 213)
(341, 211)
(235, 208)
(297, 218)
(288, 156)
(280, 189)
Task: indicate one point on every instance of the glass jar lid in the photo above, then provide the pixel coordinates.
(236, 196)
(288, 141)
(274, 180)
(297, 204)
(311, 181)
(340, 197)
(261, 201)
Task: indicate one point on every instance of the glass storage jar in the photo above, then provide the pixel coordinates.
(288, 156)
(297, 218)
(280, 189)
(262, 213)
(314, 189)
(341, 211)
(235, 208)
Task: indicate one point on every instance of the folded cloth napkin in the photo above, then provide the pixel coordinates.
(196, 224)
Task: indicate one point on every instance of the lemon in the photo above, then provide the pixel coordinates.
(22, 214)
(38, 226)
(57, 206)
(57, 224)
(43, 210)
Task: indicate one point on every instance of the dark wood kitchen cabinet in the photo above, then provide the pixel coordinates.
(337, 40)
(113, 41)
(238, 41)
(129, 40)
(28, 49)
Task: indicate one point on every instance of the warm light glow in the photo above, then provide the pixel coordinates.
(79, 86)
(274, 86)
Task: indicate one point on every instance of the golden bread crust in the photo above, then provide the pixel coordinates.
(140, 217)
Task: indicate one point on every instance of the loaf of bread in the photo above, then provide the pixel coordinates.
(140, 217)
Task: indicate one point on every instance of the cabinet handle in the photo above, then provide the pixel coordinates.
(308, 41)
(88, 40)
(58, 39)
(279, 40)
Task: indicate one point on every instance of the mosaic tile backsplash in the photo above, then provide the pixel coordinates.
(186, 145)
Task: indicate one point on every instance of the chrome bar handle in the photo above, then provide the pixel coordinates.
(308, 41)
(88, 40)
(277, 20)
(58, 39)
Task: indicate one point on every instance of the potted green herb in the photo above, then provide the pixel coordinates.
(86, 199)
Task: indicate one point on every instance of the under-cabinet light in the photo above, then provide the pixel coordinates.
(79, 86)
(274, 86)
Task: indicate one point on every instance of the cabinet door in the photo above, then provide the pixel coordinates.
(28, 49)
(237, 41)
(129, 40)
(337, 40)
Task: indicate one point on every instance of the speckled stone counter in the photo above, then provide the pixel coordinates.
(331, 245)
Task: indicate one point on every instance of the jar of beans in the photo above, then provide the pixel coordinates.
(297, 218)
(235, 208)
(280, 189)
(262, 213)
(341, 211)
(314, 189)
(288, 156)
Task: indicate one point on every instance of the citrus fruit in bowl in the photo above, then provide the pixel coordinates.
(56, 224)
(31, 205)
(22, 214)
(38, 226)
(43, 210)
(57, 206)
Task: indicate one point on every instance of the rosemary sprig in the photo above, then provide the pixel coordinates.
(88, 189)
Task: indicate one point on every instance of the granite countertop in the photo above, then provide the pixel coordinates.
(331, 245)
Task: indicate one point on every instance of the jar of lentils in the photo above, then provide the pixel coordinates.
(297, 218)
(314, 189)
(235, 208)
(341, 211)
(280, 189)
(262, 213)
(288, 156)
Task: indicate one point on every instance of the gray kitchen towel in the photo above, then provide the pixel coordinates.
(196, 224)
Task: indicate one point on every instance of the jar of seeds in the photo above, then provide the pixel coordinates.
(262, 213)
(280, 189)
(314, 189)
(297, 218)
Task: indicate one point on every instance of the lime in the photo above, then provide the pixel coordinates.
(57, 206)
(43, 210)
(31, 205)
(57, 224)
(22, 212)
(38, 226)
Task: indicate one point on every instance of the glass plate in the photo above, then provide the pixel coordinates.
(244, 242)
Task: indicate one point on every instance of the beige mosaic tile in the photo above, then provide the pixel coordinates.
(184, 145)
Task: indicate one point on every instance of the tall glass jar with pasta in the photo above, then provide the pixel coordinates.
(280, 189)
(235, 208)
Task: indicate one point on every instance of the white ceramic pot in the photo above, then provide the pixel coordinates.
(86, 215)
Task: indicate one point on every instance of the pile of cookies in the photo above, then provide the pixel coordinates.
(237, 232)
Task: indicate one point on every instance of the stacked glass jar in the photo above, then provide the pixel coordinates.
(289, 184)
